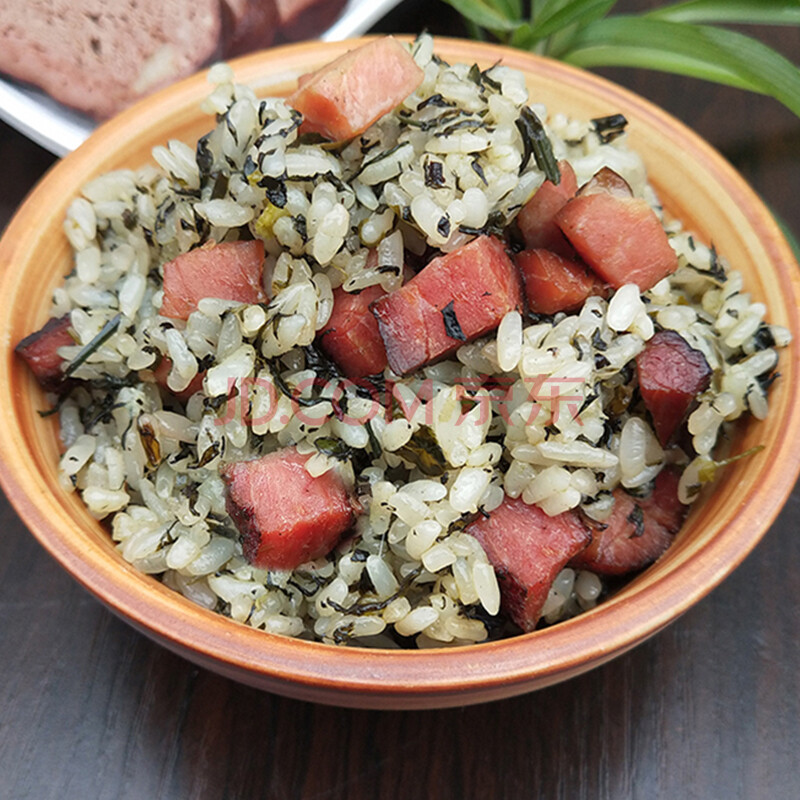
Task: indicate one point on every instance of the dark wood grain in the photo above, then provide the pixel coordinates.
(709, 708)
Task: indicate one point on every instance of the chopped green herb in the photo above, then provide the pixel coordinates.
(374, 444)
(598, 342)
(103, 414)
(434, 173)
(343, 633)
(152, 448)
(381, 156)
(716, 269)
(708, 471)
(211, 452)
(609, 128)
(434, 100)
(276, 190)
(203, 156)
(636, 518)
(590, 398)
(495, 226)
(220, 186)
(766, 380)
(336, 448)
(423, 451)
(55, 409)
(106, 332)
(287, 390)
(323, 366)
(763, 338)
(491, 82)
(535, 142)
(434, 122)
(129, 219)
(478, 170)
(299, 223)
(451, 324)
(470, 123)
(358, 609)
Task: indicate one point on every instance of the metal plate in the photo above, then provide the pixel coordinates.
(61, 129)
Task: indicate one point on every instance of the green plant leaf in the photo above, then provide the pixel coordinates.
(699, 51)
(764, 12)
(523, 37)
(512, 9)
(556, 15)
(546, 8)
(475, 31)
(538, 5)
(484, 13)
(642, 57)
(789, 234)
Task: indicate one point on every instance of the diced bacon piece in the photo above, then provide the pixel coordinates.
(528, 549)
(606, 181)
(637, 532)
(161, 373)
(620, 238)
(343, 98)
(454, 299)
(554, 283)
(285, 516)
(663, 506)
(229, 271)
(351, 337)
(40, 351)
(671, 375)
(536, 219)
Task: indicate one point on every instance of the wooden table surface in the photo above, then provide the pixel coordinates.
(709, 708)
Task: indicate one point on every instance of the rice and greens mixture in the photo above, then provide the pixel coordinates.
(424, 454)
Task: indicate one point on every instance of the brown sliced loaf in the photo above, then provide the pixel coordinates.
(250, 24)
(99, 56)
(297, 23)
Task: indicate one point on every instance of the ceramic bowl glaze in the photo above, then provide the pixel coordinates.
(695, 183)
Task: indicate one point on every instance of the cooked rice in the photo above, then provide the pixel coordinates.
(410, 570)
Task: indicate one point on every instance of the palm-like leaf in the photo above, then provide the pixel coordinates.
(763, 12)
(490, 14)
(557, 15)
(696, 50)
(680, 37)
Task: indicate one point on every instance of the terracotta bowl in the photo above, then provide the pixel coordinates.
(695, 184)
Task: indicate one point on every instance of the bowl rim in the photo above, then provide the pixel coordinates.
(360, 676)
